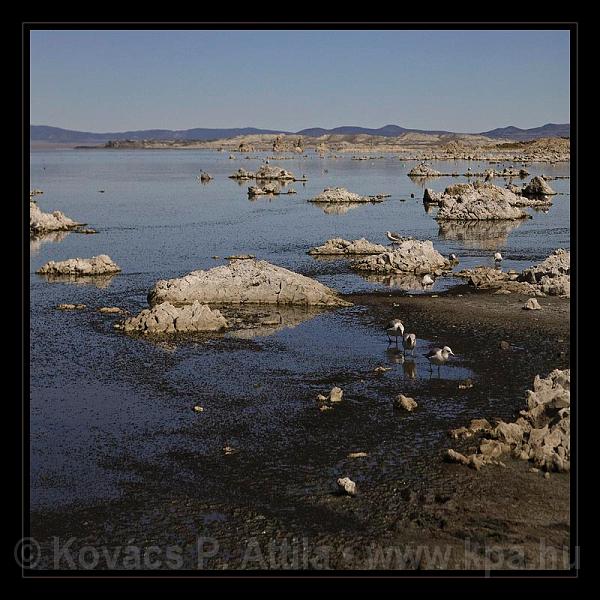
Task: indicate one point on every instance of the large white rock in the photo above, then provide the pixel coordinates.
(343, 195)
(40, 222)
(245, 281)
(480, 202)
(97, 265)
(553, 275)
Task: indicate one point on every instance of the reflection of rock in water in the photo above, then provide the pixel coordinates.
(401, 281)
(99, 281)
(422, 181)
(339, 208)
(484, 235)
(36, 241)
(259, 321)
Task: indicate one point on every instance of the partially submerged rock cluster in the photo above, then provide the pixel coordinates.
(41, 222)
(424, 170)
(182, 304)
(541, 434)
(270, 189)
(339, 194)
(552, 277)
(339, 246)
(476, 202)
(166, 318)
(410, 256)
(97, 265)
(267, 173)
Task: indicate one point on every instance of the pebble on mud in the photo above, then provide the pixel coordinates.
(347, 486)
(198, 409)
(504, 345)
(402, 401)
(532, 304)
(357, 455)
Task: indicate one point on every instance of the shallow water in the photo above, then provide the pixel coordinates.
(101, 401)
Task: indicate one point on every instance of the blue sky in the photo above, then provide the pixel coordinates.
(455, 80)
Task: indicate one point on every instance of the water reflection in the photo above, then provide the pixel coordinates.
(99, 281)
(36, 241)
(397, 356)
(401, 281)
(340, 208)
(260, 321)
(483, 235)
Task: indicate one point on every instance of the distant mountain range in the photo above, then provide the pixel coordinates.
(47, 134)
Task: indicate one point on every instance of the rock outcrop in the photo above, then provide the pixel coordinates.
(166, 318)
(553, 275)
(337, 246)
(245, 281)
(423, 170)
(41, 222)
(537, 187)
(270, 172)
(479, 202)
(97, 265)
(541, 434)
(411, 256)
(343, 195)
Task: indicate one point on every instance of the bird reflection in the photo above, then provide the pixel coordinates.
(410, 369)
(395, 355)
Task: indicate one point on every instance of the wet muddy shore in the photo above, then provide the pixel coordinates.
(270, 501)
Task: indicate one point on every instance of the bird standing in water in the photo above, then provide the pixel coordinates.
(498, 257)
(394, 329)
(438, 356)
(409, 342)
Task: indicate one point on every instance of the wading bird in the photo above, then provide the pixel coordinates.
(394, 329)
(409, 342)
(438, 356)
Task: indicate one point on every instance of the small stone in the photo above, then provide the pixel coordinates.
(357, 455)
(71, 306)
(504, 345)
(465, 385)
(532, 304)
(198, 409)
(325, 407)
(546, 475)
(346, 485)
(335, 395)
(379, 370)
(229, 450)
(110, 309)
(402, 401)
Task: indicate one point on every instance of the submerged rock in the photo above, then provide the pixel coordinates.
(166, 318)
(41, 222)
(537, 187)
(245, 281)
(410, 256)
(268, 188)
(341, 246)
(431, 197)
(97, 265)
(71, 307)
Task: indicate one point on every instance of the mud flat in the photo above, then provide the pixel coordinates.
(447, 506)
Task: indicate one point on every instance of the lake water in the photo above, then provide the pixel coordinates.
(103, 402)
